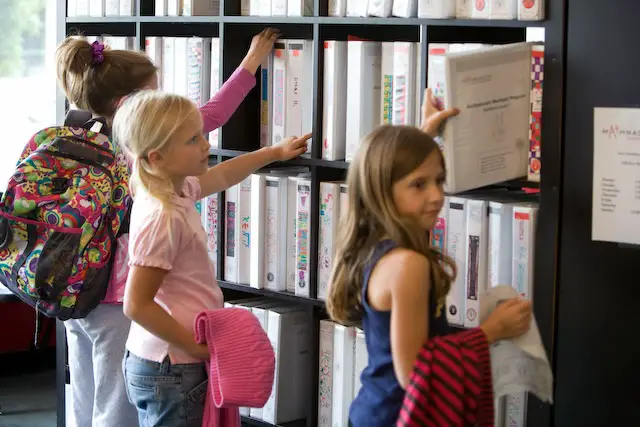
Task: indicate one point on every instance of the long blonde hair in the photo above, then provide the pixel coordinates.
(386, 155)
(145, 122)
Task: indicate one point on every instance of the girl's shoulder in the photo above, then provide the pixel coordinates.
(402, 263)
(400, 274)
(191, 189)
(148, 212)
(389, 251)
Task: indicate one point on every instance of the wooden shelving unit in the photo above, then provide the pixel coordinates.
(241, 133)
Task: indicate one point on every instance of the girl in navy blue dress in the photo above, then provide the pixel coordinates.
(386, 275)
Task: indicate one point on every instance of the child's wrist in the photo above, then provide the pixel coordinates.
(250, 63)
(491, 331)
(271, 154)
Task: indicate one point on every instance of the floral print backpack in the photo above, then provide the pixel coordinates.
(64, 208)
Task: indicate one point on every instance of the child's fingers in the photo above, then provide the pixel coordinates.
(271, 33)
(428, 94)
(445, 114)
(299, 144)
(426, 100)
(304, 137)
(510, 302)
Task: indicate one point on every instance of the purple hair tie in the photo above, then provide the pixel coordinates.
(97, 50)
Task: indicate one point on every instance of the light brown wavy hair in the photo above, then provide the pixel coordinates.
(98, 87)
(385, 156)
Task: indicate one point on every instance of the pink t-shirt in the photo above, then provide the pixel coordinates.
(173, 240)
(215, 113)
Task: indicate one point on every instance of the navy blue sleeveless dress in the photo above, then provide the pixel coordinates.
(379, 401)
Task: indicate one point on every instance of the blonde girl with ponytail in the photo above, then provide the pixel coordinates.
(171, 278)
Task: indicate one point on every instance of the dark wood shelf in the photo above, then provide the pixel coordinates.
(105, 20)
(308, 20)
(300, 161)
(241, 136)
(284, 296)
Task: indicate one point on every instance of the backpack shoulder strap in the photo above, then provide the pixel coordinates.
(77, 118)
(84, 119)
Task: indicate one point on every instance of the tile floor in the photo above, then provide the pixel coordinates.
(28, 400)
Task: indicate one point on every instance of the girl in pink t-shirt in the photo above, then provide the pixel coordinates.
(96, 78)
(171, 278)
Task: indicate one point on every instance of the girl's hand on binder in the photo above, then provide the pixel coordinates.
(433, 116)
(261, 46)
(510, 319)
(291, 147)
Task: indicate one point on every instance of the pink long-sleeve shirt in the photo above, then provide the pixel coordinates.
(215, 113)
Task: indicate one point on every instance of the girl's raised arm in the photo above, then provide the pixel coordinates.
(219, 109)
(231, 172)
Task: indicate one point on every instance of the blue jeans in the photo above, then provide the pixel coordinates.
(166, 395)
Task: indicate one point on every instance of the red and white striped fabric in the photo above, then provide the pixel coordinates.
(450, 384)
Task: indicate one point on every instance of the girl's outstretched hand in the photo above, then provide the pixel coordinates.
(510, 319)
(433, 116)
(291, 147)
(261, 46)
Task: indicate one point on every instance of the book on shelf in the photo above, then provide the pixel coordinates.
(277, 234)
(531, 10)
(344, 346)
(535, 118)
(325, 374)
(327, 234)
(187, 7)
(487, 143)
(338, 7)
(494, 9)
(464, 9)
(405, 8)
(437, 80)
(525, 10)
(188, 66)
(334, 114)
(303, 237)
(363, 92)
(380, 8)
(357, 8)
(291, 87)
(290, 332)
(437, 9)
(342, 359)
(100, 8)
(209, 210)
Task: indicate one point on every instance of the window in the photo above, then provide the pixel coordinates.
(27, 76)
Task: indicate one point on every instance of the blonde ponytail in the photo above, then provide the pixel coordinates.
(144, 178)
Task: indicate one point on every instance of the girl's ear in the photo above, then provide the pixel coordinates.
(155, 158)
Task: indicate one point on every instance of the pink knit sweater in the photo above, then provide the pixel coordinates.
(241, 367)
